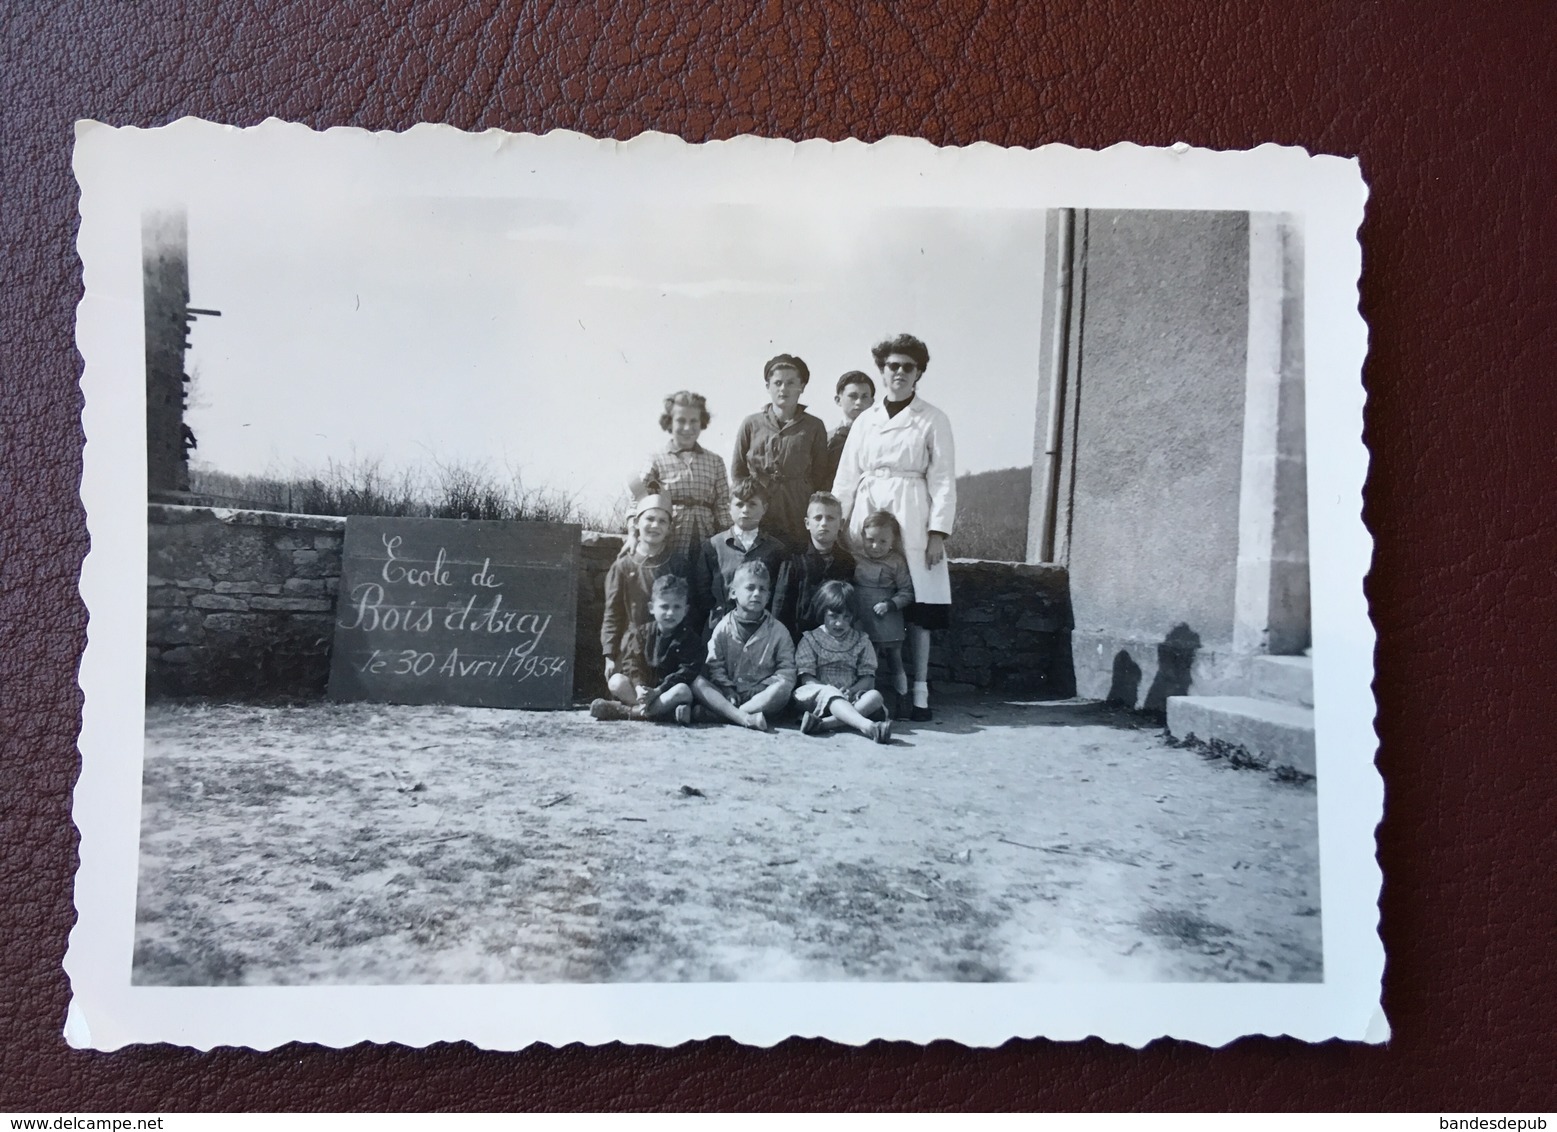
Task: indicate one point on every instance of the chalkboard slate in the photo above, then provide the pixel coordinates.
(450, 611)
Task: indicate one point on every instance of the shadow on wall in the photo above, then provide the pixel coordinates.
(1175, 662)
(1175, 666)
(1126, 688)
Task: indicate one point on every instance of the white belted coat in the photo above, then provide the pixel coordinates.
(907, 465)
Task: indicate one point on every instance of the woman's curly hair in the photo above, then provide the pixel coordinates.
(901, 344)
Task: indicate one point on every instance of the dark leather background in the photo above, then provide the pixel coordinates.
(1450, 107)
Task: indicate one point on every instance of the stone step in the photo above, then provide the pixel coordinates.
(1281, 735)
(1289, 679)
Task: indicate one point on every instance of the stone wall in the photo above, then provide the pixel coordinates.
(241, 604)
(596, 554)
(1010, 631)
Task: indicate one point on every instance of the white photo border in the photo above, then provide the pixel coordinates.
(120, 170)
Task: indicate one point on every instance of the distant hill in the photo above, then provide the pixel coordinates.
(992, 515)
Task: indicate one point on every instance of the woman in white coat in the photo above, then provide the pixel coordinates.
(900, 458)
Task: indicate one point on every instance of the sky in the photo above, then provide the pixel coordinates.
(541, 336)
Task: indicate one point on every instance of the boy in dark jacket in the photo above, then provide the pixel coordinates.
(662, 658)
(823, 560)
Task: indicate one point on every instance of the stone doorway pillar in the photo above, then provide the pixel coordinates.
(1271, 608)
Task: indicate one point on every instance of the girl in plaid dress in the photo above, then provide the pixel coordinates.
(836, 664)
(689, 475)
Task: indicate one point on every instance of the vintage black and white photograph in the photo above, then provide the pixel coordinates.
(797, 584)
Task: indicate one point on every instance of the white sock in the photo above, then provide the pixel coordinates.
(921, 694)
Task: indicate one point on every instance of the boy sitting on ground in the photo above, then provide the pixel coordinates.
(836, 664)
(660, 660)
(823, 560)
(750, 670)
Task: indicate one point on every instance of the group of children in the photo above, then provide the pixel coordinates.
(741, 625)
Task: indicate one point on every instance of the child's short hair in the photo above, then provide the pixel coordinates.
(685, 400)
(855, 377)
(671, 586)
(833, 597)
(753, 569)
(748, 489)
(826, 498)
(884, 519)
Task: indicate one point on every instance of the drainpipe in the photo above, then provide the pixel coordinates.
(1057, 367)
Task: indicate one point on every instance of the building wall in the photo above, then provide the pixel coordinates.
(241, 604)
(1155, 410)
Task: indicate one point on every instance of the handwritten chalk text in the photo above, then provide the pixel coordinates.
(370, 613)
(514, 665)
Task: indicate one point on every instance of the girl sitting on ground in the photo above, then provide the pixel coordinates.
(884, 588)
(659, 661)
(836, 664)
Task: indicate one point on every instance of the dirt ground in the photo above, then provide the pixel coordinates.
(371, 844)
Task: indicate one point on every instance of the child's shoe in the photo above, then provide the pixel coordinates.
(684, 714)
(610, 709)
(881, 732)
(810, 724)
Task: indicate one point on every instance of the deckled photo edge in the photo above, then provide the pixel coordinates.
(107, 806)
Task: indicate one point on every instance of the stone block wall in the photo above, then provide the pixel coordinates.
(1011, 625)
(240, 602)
(1010, 633)
(596, 554)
